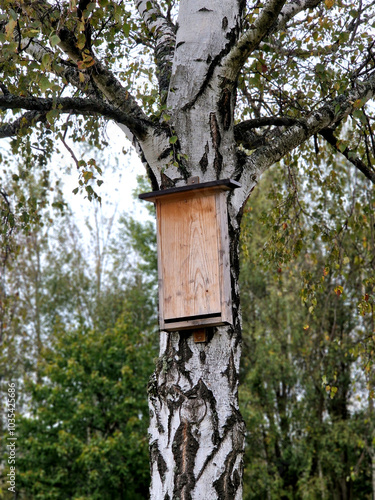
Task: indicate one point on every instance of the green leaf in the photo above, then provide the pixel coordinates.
(126, 29)
(44, 83)
(54, 40)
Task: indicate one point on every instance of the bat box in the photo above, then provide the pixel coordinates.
(193, 255)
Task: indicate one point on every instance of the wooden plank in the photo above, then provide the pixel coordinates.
(189, 257)
(212, 185)
(160, 267)
(190, 324)
(224, 257)
(200, 335)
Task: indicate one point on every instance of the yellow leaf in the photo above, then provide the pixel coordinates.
(329, 3)
(9, 28)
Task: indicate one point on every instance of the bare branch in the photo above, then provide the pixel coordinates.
(330, 114)
(28, 119)
(106, 81)
(76, 105)
(291, 9)
(95, 71)
(349, 155)
(264, 121)
(244, 132)
(252, 37)
(68, 148)
(274, 17)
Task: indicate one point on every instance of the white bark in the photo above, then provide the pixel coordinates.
(196, 431)
(163, 32)
(201, 100)
(253, 36)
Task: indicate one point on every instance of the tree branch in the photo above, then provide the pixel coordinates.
(244, 132)
(328, 115)
(27, 120)
(62, 69)
(291, 9)
(349, 155)
(274, 17)
(252, 37)
(263, 121)
(106, 81)
(164, 33)
(76, 105)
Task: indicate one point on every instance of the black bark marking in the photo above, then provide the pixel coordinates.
(185, 448)
(163, 53)
(232, 37)
(233, 424)
(225, 108)
(184, 352)
(216, 141)
(202, 357)
(156, 457)
(226, 487)
(215, 132)
(234, 235)
(166, 182)
(231, 372)
(198, 402)
(224, 23)
(155, 397)
(203, 392)
(204, 9)
(204, 160)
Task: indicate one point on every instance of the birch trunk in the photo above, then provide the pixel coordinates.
(196, 430)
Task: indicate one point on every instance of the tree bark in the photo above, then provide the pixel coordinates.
(196, 430)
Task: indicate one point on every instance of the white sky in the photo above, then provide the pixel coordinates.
(118, 186)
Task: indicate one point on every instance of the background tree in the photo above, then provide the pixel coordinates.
(306, 402)
(226, 91)
(88, 369)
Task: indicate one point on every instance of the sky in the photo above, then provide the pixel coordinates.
(120, 180)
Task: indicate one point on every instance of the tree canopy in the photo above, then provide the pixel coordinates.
(216, 90)
(302, 69)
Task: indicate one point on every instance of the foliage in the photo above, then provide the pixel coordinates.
(86, 435)
(284, 75)
(307, 405)
(80, 336)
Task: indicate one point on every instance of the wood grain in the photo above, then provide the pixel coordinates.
(189, 256)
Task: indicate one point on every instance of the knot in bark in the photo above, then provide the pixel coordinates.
(193, 410)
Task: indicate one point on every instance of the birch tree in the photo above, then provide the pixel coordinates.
(200, 88)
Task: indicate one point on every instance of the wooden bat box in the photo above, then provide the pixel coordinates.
(193, 255)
